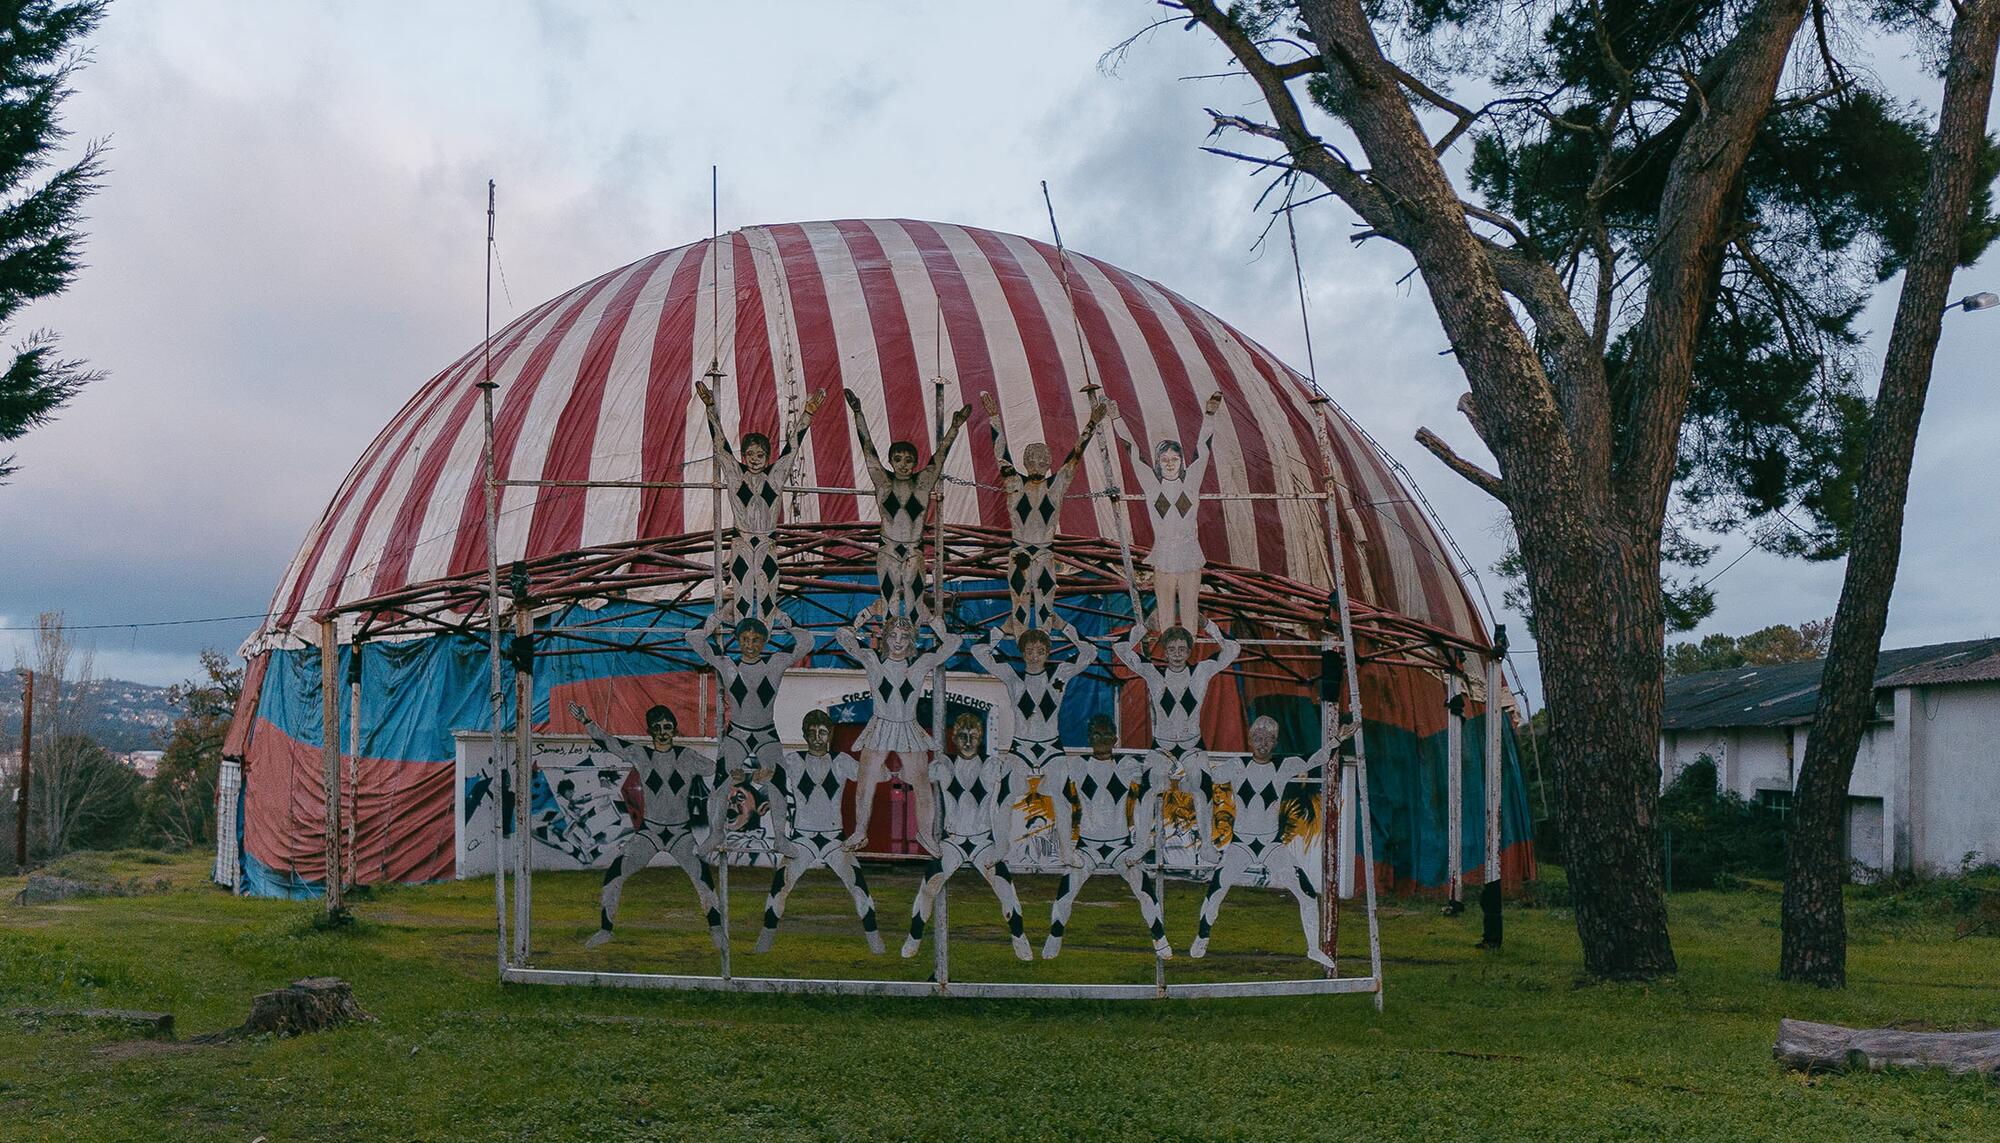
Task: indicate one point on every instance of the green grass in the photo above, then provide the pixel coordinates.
(1472, 1044)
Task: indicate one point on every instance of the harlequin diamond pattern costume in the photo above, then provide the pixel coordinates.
(750, 741)
(1173, 506)
(1176, 695)
(1107, 842)
(902, 502)
(1034, 504)
(750, 570)
(1259, 787)
(895, 686)
(667, 777)
(810, 785)
(971, 790)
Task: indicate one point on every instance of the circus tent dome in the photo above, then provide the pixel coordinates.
(596, 386)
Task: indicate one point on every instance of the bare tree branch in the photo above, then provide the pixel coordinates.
(1485, 481)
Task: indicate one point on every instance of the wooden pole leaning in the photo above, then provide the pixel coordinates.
(23, 787)
(329, 734)
(1364, 823)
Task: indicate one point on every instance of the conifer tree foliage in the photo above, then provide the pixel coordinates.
(1648, 238)
(41, 243)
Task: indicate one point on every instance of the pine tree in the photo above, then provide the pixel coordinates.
(40, 243)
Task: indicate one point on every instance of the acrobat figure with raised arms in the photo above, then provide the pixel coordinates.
(972, 786)
(749, 744)
(1034, 505)
(903, 496)
(896, 680)
(1170, 488)
(1035, 693)
(1176, 691)
(752, 485)
(810, 783)
(1110, 837)
(1259, 786)
(667, 776)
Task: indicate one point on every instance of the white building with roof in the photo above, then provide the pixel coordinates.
(1926, 787)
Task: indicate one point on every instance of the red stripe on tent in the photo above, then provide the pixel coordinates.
(558, 522)
(322, 537)
(1050, 377)
(903, 396)
(971, 358)
(758, 409)
(402, 813)
(819, 357)
(469, 551)
(669, 388)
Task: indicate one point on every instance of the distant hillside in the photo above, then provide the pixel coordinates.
(126, 715)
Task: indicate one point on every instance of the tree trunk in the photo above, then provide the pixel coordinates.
(1599, 627)
(1814, 945)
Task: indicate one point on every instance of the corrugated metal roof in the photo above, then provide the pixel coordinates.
(1788, 693)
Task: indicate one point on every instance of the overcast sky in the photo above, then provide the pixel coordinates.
(289, 242)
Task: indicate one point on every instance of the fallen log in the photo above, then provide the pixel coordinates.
(144, 1025)
(1812, 1047)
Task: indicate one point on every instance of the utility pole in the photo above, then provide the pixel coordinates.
(21, 787)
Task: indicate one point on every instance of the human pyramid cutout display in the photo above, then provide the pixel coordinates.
(972, 803)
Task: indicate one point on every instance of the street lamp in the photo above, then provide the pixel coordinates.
(1970, 302)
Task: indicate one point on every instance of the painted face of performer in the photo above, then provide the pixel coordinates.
(819, 738)
(898, 639)
(965, 740)
(756, 453)
(1103, 737)
(1034, 652)
(1168, 456)
(902, 458)
(750, 641)
(1263, 739)
(661, 726)
(1035, 461)
(1176, 647)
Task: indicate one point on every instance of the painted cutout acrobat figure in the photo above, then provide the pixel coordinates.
(749, 744)
(667, 772)
(810, 784)
(1036, 693)
(1110, 841)
(1170, 488)
(1259, 784)
(1176, 692)
(1034, 505)
(896, 681)
(752, 484)
(903, 496)
(972, 788)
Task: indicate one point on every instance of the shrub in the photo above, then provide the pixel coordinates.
(1711, 837)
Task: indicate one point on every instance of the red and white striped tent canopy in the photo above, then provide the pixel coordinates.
(598, 384)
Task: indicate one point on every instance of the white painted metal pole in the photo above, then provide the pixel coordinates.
(353, 758)
(718, 808)
(940, 922)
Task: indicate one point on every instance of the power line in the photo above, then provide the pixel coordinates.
(149, 623)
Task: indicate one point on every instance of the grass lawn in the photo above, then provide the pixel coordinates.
(1472, 1044)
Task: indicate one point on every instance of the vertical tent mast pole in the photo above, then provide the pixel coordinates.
(1364, 823)
(498, 688)
(1454, 788)
(719, 815)
(329, 734)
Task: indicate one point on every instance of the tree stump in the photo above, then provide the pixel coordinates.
(310, 1005)
(1831, 1048)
